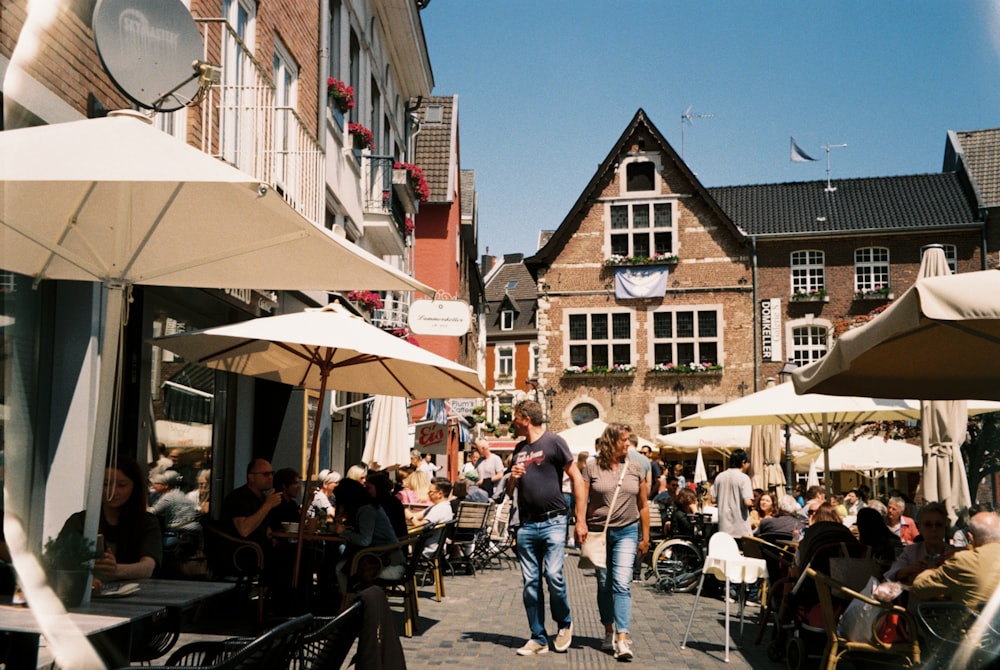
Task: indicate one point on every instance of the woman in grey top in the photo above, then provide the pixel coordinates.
(601, 479)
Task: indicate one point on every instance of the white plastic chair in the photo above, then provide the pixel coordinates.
(725, 562)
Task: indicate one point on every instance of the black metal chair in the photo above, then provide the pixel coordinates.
(235, 558)
(405, 587)
(273, 649)
(433, 566)
(328, 642)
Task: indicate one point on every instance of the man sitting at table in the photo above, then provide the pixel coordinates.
(969, 577)
(439, 512)
(246, 509)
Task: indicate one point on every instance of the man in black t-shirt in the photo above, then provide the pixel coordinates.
(538, 464)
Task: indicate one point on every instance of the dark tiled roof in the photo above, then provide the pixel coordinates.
(876, 203)
(524, 292)
(433, 150)
(982, 159)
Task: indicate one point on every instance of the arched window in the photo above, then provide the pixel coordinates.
(583, 413)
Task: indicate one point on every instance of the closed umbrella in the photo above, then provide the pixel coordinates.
(700, 475)
(812, 479)
(388, 440)
(756, 472)
(321, 349)
(943, 426)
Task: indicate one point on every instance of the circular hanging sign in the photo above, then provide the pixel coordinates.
(148, 48)
(439, 317)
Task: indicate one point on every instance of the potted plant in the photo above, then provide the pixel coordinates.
(363, 138)
(341, 95)
(369, 300)
(66, 559)
(418, 181)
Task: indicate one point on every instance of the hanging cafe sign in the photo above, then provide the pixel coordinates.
(439, 317)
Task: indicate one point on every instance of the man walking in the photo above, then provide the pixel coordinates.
(489, 467)
(539, 462)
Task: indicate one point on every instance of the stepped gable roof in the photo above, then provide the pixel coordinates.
(434, 147)
(857, 206)
(981, 154)
(605, 170)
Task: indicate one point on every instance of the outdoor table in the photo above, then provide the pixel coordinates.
(179, 594)
(306, 537)
(108, 624)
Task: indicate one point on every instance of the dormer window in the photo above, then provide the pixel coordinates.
(507, 319)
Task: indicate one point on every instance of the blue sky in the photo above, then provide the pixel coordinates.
(547, 86)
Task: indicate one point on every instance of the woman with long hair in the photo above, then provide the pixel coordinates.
(133, 546)
(416, 488)
(685, 503)
(614, 495)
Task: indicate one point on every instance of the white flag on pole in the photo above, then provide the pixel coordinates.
(798, 155)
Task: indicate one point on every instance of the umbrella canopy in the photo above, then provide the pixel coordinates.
(937, 341)
(721, 438)
(867, 454)
(825, 420)
(388, 440)
(582, 437)
(306, 348)
(115, 200)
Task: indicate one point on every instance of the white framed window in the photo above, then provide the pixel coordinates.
(599, 339)
(533, 361)
(505, 361)
(950, 255)
(507, 319)
(808, 339)
(687, 335)
(643, 228)
(808, 271)
(237, 71)
(286, 84)
(871, 269)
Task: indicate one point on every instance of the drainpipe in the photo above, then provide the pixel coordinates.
(756, 324)
(323, 66)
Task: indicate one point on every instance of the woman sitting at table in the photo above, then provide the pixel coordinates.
(779, 518)
(133, 547)
(380, 488)
(415, 491)
(362, 523)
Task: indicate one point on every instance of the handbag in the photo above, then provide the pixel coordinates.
(594, 552)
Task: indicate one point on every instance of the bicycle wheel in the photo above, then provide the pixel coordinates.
(677, 564)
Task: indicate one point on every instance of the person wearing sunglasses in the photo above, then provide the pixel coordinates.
(932, 522)
(245, 510)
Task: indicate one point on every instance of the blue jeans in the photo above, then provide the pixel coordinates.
(614, 595)
(540, 547)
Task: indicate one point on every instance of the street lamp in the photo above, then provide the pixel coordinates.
(784, 375)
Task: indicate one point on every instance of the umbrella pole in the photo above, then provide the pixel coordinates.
(311, 466)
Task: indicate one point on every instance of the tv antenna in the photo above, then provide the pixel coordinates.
(830, 188)
(688, 117)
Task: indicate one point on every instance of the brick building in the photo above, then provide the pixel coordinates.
(644, 224)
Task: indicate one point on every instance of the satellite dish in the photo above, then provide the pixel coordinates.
(149, 48)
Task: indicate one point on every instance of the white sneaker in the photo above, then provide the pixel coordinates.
(623, 650)
(564, 639)
(532, 648)
(609, 642)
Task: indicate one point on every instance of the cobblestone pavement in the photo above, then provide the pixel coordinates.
(481, 622)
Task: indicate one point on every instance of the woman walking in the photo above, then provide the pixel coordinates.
(614, 497)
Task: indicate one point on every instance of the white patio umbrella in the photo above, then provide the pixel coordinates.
(388, 440)
(867, 454)
(720, 438)
(824, 420)
(582, 437)
(119, 202)
(322, 349)
(700, 474)
(812, 479)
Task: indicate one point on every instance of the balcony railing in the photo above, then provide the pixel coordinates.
(379, 195)
(242, 124)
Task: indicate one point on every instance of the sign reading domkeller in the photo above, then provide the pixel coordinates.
(770, 329)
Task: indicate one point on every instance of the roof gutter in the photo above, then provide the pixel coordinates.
(972, 225)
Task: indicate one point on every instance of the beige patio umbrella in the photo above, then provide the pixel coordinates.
(321, 349)
(116, 201)
(943, 426)
(939, 340)
(824, 419)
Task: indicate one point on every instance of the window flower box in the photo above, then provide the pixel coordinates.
(810, 296)
(340, 94)
(617, 260)
(363, 138)
(416, 178)
(600, 371)
(705, 368)
(877, 293)
(369, 300)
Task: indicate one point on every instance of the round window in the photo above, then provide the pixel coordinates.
(583, 413)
